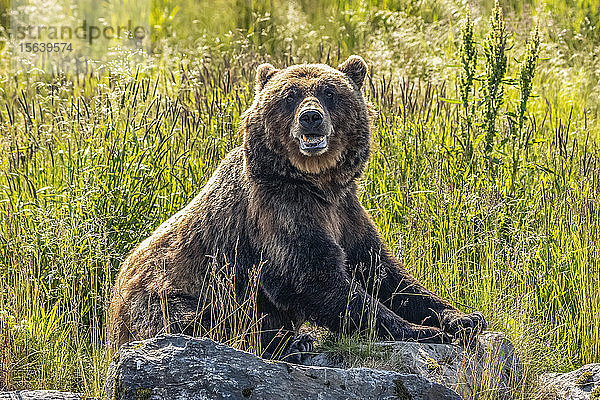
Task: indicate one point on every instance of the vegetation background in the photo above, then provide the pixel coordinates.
(498, 214)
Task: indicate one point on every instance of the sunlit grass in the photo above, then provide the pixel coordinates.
(91, 164)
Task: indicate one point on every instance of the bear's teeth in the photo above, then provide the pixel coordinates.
(313, 139)
(304, 138)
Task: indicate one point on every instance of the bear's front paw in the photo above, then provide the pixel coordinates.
(463, 326)
(427, 334)
(300, 350)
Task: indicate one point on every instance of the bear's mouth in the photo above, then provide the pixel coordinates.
(312, 143)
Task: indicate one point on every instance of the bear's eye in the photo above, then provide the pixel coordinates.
(290, 98)
(329, 93)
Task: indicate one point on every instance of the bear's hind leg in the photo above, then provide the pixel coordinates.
(172, 313)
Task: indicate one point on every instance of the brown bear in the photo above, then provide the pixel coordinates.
(286, 200)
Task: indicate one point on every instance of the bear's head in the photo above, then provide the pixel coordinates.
(310, 118)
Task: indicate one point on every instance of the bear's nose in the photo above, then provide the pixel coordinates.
(311, 119)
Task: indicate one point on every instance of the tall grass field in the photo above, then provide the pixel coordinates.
(484, 177)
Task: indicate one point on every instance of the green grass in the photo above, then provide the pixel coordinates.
(91, 164)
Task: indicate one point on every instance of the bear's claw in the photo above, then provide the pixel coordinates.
(464, 326)
(300, 350)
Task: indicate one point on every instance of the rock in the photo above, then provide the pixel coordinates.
(180, 367)
(490, 365)
(41, 395)
(574, 385)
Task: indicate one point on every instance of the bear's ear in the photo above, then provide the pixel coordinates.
(355, 68)
(264, 72)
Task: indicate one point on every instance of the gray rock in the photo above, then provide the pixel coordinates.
(41, 395)
(489, 366)
(574, 385)
(179, 367)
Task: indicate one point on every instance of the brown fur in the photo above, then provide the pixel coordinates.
(296, 213)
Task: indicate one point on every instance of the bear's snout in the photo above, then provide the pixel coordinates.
(311, 128)
(311, 118)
